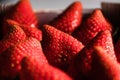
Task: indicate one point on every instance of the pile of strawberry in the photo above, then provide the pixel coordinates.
(69, 47)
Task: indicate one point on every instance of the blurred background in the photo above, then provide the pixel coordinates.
(60, 4)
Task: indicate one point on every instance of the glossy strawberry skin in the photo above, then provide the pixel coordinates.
(12, 57)
(59, 47)
(92, 25)
(83, 61)
(69, 19)
(22, 13)
(14, 35)
(33, 70)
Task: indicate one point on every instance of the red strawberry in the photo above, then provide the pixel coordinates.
(83, 61)
(10, 60)
(70, 19)
(22, 13)
(107, 66)
(94, 24)
(117, 50)
(14, 35)
(59, 47)
(30, 31)
(32, 69)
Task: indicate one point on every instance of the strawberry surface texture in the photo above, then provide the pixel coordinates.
(73, 45)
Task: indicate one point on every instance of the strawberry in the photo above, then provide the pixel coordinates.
(12, 57)
(117, 50)
(107, 66)
(30, 31)
(83, 61)
(59, 47)
(69, 19)
(32, 69)
(14, 35)
(22, 13)
(94, 24)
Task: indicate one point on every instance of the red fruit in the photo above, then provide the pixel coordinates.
(59, 47)
(107, 66)
(94, 24)
(83, 61)
(30, 31)
(70, 19)
(32, 69)
(10, 60)
(117, 50)
(14, 35)
(22, 13)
